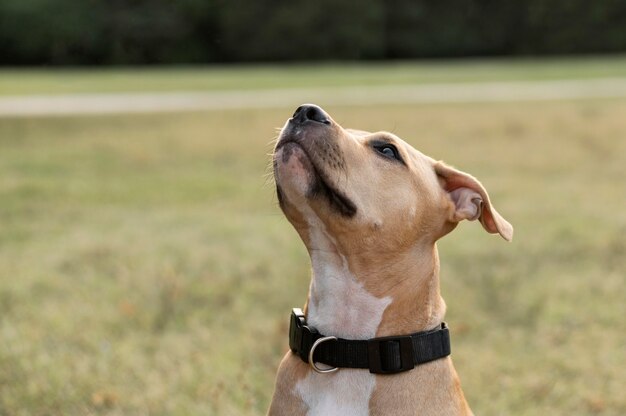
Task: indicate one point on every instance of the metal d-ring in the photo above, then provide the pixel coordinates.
(312, 363)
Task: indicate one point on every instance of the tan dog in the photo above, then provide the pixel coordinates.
(369, 209)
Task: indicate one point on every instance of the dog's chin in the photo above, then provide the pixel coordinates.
(293, 170)
(300, 181)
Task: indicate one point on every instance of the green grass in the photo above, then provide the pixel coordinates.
(63, 81)
(146, 269)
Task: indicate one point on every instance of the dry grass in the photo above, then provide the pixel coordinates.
(146, 269)
(207, 78)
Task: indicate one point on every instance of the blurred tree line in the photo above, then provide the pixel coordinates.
(191, 31)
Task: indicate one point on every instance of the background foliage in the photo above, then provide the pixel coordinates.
(201, 31)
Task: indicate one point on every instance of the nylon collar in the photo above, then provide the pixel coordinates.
(385, 355)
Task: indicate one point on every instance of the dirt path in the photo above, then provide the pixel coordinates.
(56, 105)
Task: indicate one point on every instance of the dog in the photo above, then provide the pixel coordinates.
(370, 209)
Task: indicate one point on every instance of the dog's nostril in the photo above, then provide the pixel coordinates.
(310, 112)
(315, 113)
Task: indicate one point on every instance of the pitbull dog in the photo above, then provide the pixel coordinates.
(370, 209)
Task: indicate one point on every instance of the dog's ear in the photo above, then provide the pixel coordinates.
(471, 201)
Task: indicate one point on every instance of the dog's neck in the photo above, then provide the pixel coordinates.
(372, 294)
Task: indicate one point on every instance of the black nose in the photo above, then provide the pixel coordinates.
(310, 112)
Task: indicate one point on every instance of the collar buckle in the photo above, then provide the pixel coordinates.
(301, 336)
(296, 321)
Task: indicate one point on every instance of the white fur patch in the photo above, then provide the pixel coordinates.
(339, 305)
(343, 393)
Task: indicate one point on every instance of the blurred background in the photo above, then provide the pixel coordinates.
(146, 269)
(93, 32)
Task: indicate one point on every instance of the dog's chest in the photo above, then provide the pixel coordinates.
(346, 392)
(341, 307)
(338, 305)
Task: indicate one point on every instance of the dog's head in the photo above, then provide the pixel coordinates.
(370, 191)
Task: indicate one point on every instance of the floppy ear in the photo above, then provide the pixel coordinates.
(471, 201)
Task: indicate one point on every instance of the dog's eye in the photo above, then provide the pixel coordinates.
(388, 150)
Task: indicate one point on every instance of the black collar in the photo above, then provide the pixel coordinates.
(386, 355)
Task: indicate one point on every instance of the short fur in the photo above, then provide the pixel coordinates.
(370, 224)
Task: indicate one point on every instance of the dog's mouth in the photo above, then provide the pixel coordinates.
(321, 186)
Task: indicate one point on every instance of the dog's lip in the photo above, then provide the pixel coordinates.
(336, 198)
(283, 141)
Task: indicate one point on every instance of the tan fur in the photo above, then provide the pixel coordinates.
(389, 246)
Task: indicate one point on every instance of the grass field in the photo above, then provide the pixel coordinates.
(66, 81)
(145, 267)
